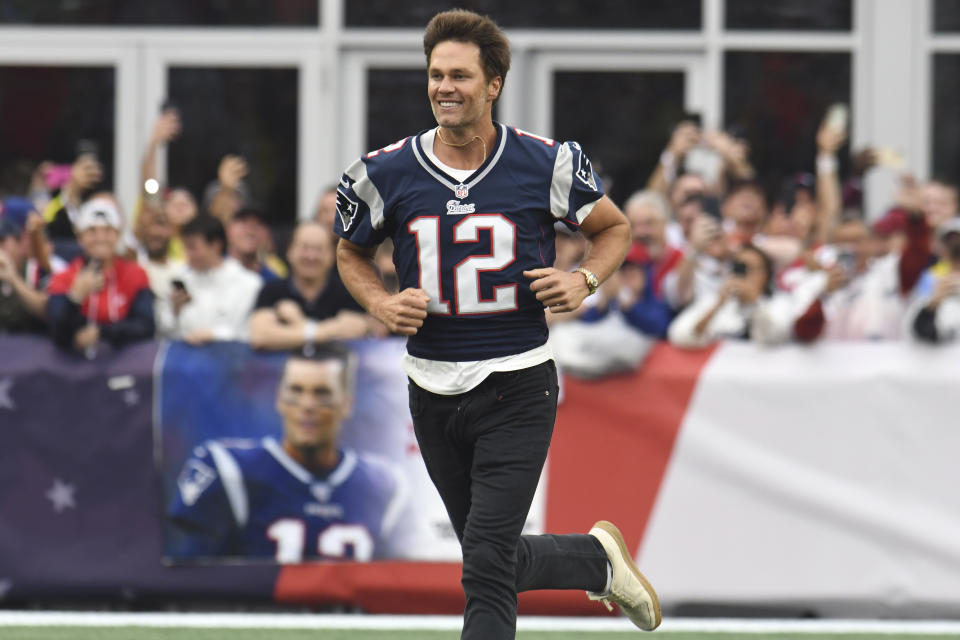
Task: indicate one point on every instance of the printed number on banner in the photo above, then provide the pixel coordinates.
(336, 541)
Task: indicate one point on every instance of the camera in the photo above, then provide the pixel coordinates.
(739, 268)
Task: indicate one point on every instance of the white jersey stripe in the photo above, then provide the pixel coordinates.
(562, 183)
(232, 479)
(367, 191)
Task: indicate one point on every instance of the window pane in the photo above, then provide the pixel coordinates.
(946, 118)
(558, 14)
(229, 13)
(779, 99)
(813, 15)
(397, 105)
(46, 111)
(250, 112)
(624, 136)
(946, 15)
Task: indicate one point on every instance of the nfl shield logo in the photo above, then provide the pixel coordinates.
(461, 191)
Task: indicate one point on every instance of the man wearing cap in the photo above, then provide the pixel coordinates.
(22, 279)
(100, 295)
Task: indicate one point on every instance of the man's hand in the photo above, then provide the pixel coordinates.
(231, 171)
(87, 281)
(289, 312)
(199, 337)
(167, 127)
(7, 269)
(85, 172)
(403, 312)
(703, 233)
(86, 337)
(685, 137)
(558, 290)
(829, 139)
(179, 298)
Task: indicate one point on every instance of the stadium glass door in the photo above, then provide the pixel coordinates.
(620, 108)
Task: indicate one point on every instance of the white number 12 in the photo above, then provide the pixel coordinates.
(467, 299)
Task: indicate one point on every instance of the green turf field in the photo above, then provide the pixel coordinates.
(144, 633)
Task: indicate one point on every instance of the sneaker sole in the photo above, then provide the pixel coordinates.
(612, 530)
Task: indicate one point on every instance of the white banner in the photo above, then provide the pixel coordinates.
(822, 478)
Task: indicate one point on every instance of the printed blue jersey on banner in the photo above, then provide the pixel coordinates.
(467, 243)
(249, 498)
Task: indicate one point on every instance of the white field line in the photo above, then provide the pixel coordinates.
(526, 623)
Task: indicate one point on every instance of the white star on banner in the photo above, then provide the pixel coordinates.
(131, 397)
(6, 402)
(61, 495)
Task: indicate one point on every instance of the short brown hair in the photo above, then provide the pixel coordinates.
(466, 26)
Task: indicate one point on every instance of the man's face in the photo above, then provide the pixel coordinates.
(157, 235)
(180, 207)
(459, 92)
(243, 235)
(745, 207)
(685, 186)
(16, 248)
(99, 242)
(646, 224)
(311, 251)
(939, 203)
(202, 255)
(854, 237)
(312, 401)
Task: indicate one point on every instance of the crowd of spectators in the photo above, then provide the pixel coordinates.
(716, 255)
(76, 266)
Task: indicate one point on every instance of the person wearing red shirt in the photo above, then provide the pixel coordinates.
(99, 295)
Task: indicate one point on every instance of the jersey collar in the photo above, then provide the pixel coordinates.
(336, 477)
(478, 175)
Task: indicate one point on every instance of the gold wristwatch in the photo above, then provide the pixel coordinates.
(593, 282)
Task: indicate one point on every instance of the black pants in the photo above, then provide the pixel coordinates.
(484, 450)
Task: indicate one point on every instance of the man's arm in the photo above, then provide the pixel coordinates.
(402, 312)
(608, 239)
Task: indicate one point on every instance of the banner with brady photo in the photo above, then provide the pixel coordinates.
(232, 493)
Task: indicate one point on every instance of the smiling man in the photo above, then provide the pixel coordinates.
(302, 498)
(470, 206)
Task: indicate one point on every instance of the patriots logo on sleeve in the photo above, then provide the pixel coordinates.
(584, 167)
(194, 480)
(347, 209)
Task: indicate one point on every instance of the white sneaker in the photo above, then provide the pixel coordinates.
(628, 587)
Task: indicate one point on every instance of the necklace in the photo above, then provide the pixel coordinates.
(463, 144)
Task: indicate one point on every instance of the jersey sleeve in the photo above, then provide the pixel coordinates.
(360, 208)
(575, 188)
(200, 515)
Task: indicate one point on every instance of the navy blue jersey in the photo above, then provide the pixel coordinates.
(468, 243)
(249, 498)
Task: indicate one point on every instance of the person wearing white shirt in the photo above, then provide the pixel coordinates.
(213, 296)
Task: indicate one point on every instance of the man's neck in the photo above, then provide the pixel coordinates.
(466, 147)
(248, 260)
(315, 459)
(310, 288)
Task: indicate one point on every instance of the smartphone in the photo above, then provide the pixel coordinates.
(177, 284)
(168, 105)
(847, 261)
(96, 264)
(838, 117)
(739, 268)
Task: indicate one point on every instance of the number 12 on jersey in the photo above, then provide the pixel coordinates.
(466, 274)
